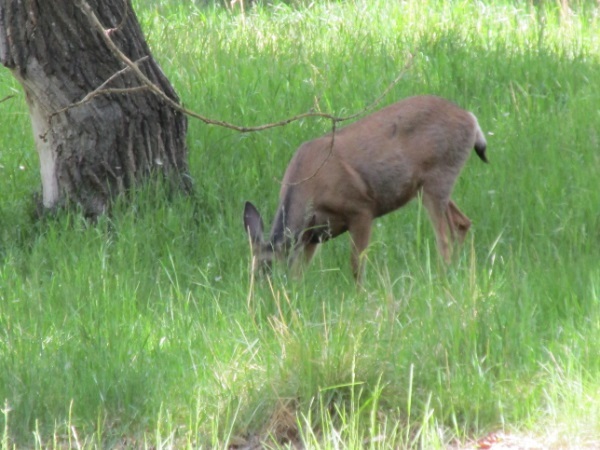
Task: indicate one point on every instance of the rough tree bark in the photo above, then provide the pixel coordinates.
(91, 151)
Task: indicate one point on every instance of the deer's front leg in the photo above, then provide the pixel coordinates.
(360, 233)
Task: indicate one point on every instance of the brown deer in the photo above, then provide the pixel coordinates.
(342, 181)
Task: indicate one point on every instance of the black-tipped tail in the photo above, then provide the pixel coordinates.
(480, 150)
(480, 143)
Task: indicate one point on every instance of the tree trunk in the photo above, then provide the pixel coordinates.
(91, 151)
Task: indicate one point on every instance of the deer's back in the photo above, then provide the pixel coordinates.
(382, 160)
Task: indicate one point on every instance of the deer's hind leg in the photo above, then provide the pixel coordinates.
(458, 222)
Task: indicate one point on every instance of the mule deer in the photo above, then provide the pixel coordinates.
(342, 181)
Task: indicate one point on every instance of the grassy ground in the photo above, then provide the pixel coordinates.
(143, 329)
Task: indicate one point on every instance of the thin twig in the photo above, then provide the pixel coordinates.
(148, 84)
(8, 97)
(110, 31)
(87, 10)
(334, 122)
(327, 158)
(102, 90)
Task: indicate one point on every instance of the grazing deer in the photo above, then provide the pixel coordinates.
(342, 181)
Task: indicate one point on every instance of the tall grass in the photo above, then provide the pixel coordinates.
(144, 329)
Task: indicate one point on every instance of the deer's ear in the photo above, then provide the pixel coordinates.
(253, 223)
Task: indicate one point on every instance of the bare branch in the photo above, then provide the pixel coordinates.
(318, 169)
(8, 97)
(87, 10)
(123, 19)
(102, 90)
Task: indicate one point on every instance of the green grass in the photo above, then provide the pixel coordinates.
(144, 330)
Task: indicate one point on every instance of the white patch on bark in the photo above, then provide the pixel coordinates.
(47, 156)
(43, 98)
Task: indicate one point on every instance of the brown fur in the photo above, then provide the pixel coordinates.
(374, 166)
